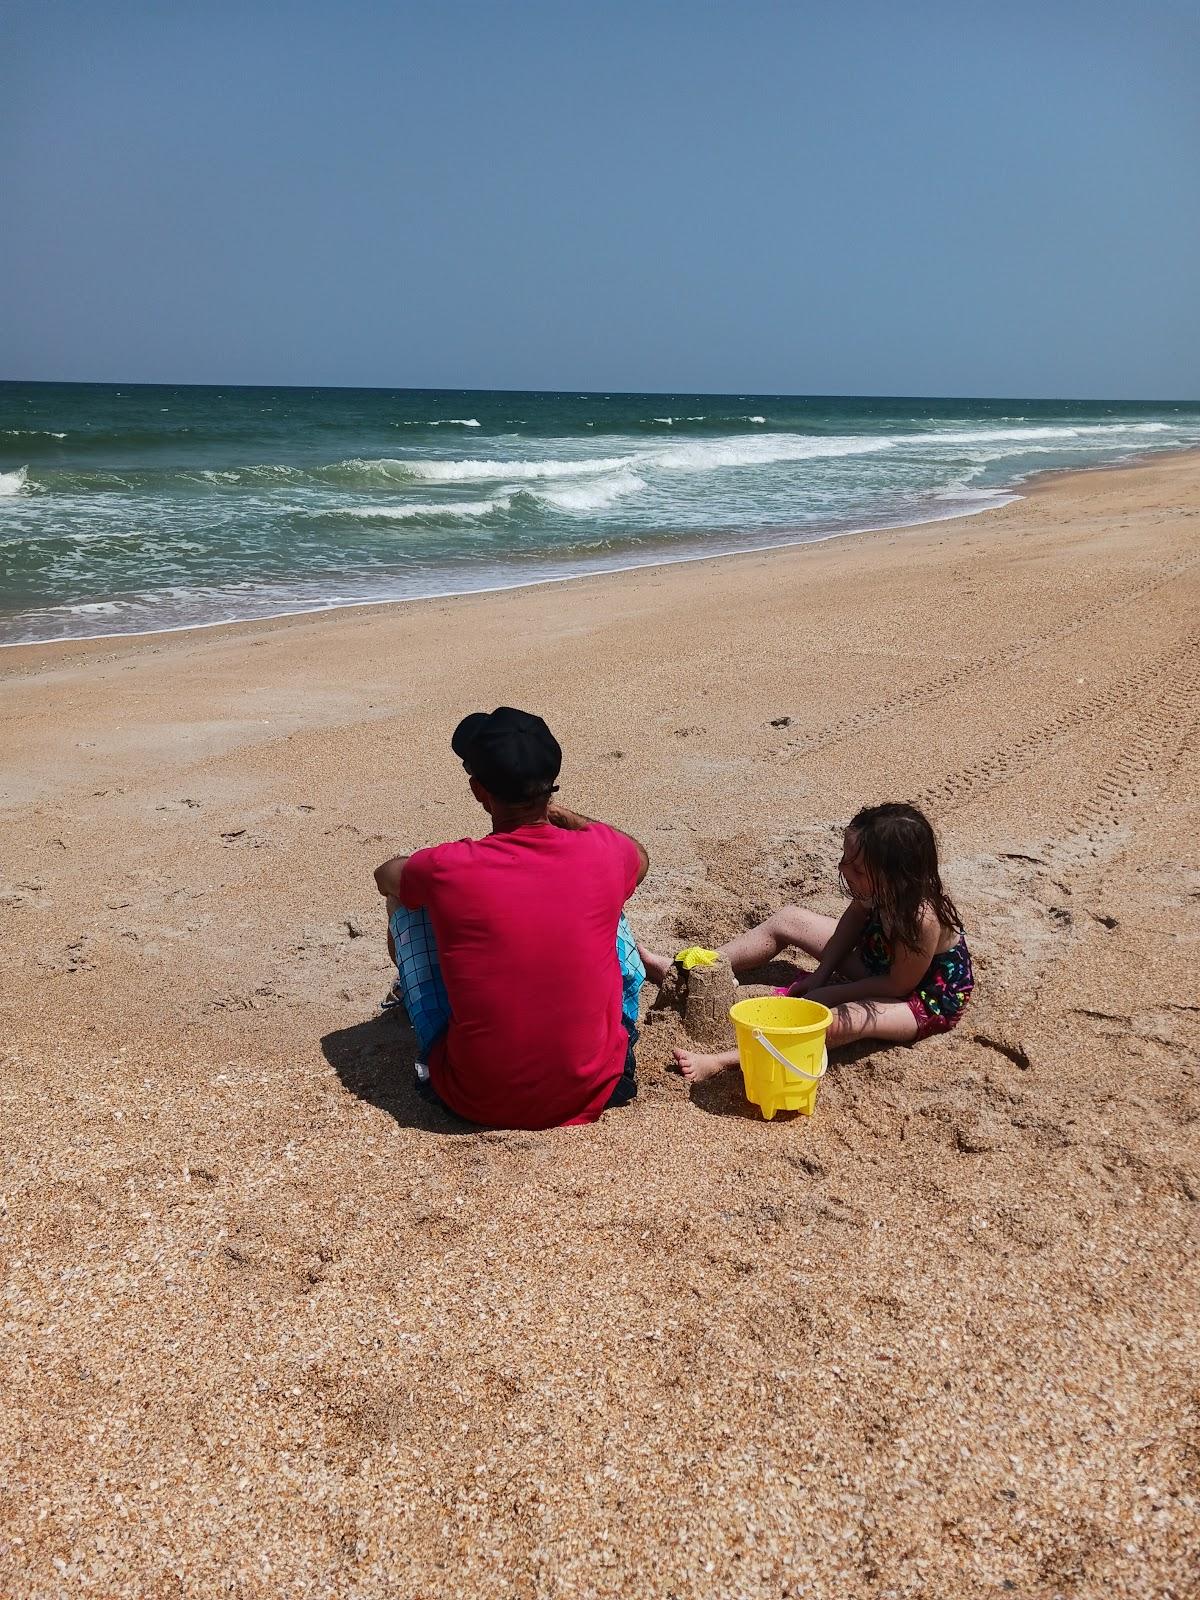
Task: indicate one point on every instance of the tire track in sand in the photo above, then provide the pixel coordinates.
(991, 771)
(947, 683)
(1147, 764)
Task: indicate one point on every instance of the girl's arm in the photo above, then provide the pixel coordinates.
(908, 967)
(841, 941)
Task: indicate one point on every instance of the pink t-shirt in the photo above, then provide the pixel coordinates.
(526, 927)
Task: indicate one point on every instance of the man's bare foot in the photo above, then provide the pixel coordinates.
(656, 966)
(697, 1068)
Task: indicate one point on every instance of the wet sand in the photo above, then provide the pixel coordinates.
(272, 1326)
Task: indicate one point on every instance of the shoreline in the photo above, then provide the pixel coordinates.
(654, 564)
(1022, 488)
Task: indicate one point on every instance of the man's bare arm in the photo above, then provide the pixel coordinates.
(387, 877)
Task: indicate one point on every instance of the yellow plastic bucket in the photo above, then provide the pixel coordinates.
(781, 1046)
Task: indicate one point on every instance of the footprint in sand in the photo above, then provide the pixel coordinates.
(76, 957)
(15, 895)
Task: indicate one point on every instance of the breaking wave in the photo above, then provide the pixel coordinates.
(592, 495)
(441, 422)
(626, 472)
(446, 510)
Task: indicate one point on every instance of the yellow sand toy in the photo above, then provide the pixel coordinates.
(781, 1046)
(696, 956)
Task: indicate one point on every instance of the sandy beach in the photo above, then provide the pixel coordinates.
(274, 1326)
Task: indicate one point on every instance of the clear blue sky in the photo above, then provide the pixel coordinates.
(818, 197)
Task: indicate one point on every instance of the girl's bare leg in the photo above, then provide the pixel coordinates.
(871, 1019)
(792, 927)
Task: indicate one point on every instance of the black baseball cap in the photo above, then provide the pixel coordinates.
(512, 753)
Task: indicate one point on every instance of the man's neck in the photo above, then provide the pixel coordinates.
(509, 818)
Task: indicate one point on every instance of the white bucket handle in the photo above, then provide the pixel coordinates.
(797, 1072)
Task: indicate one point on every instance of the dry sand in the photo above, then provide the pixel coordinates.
(274, 1327)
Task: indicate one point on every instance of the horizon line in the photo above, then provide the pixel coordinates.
(588, 394)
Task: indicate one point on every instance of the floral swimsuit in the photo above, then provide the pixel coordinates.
(940, 998)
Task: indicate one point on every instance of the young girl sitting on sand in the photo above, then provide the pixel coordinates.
(894, 966)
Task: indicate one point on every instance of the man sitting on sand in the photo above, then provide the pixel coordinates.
(514, 961)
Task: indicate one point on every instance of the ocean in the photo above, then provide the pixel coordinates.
(136, 508)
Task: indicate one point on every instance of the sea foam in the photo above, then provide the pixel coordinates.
(696, 455)
(1020, 435)
(592, 494)
(502, 471)
(431, 511)
(449, 422)
(705, 455)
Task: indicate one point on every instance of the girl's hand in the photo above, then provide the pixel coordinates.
(802, 985)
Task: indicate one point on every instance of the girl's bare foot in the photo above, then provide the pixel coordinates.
(698, 1068)
(656, 966)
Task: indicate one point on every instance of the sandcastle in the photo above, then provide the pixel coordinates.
(702, 997)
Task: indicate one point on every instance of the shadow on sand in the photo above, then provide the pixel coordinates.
(374, 1060)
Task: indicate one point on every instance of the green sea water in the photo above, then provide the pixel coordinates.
(132, 508)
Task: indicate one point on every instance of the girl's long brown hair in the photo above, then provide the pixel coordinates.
(899, 851)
